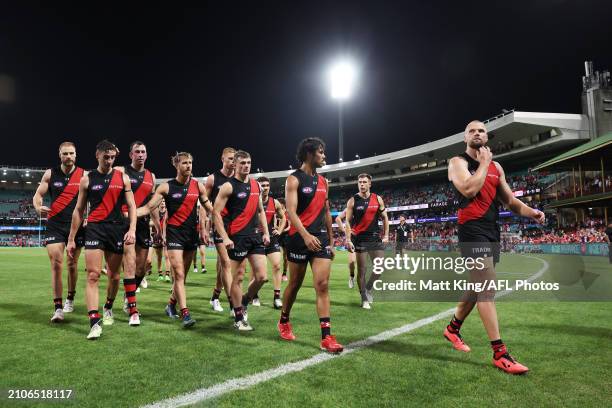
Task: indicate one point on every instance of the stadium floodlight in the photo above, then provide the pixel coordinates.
(342, 76)
(342, 79)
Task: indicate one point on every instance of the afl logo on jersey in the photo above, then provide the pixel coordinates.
(58, 184)
(241, 194)
(177, 195)
(307, 190)
(359, 208)
(133, 181)
(97, 187)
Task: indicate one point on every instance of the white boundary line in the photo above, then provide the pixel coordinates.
(241, 383)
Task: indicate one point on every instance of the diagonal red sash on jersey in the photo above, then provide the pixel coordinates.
(180, 215)
(68, 194)
(368, 216)
(111, 196)
(143, 191)
(480, 204)
(315, 206)
(270, 210)
(243, 219)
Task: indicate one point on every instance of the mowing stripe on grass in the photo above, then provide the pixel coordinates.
(241, 383)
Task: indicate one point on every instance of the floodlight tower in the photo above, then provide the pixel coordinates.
(342, 77)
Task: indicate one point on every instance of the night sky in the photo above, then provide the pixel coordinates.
(252, 76)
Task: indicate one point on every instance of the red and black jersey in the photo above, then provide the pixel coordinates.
(270, 210)
(219, 180)
(365, 215)
(142, 186)
(105, 195)
(181, 203)
(311, 194)
(483, 207)
(64, 191)
(242, 208)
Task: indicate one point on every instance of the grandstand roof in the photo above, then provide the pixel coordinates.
(516, 127)
(594, 146)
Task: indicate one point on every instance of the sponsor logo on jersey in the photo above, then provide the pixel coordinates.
(92, 243)
(297, 256)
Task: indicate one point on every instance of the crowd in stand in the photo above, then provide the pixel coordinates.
(440, 198)
(24, 239)
(17, 207)
(591, 231)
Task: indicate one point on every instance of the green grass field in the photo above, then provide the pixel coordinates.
(565, 344)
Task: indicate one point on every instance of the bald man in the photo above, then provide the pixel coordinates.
(480, 184)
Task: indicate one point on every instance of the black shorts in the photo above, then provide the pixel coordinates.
(106, 236)
(143, 233)
(479, 241)
(245, 246)
(181, 238)
(298, 252)
(367, 242)
(282, 240)
(274, 245)
(401, 245)
(57, 233)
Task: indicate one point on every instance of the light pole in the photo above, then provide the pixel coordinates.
(342, 76)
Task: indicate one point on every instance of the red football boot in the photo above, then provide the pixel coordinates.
(456, 340)
(508, 364)
(330, 344)
(286, 331)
